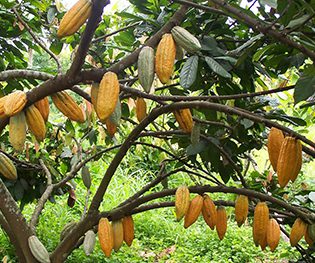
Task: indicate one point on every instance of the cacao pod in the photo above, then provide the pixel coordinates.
(17, 131)
(185, 39)
(108, 94)
(141, 109)
(7, 168)
(180, 52)
(111, 128)
(241, 209)
(43, 107)
(94, 94)
(263, 244)
(195, 134)
(67, 229)
(89, 242)
(261, 219)
(118, 232)
(14, 102)
(297, 231)
(2, 100)
(105, 236)
(194, 210)
(116, 115)
(273, 234)
(165, 58)
(184, 119)
(86, 176)
(74, 18)
(275, 140)
(146, 68)
(35, 123)
(209, 211)
(221, 224)
(299, 161)
(307, 237)
(311, 231)
(181, 201)
(38, 250)
(66, 104)
(129, 231)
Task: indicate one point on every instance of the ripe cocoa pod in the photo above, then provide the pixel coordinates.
(221, 225)
(86, 176)
(307, 237)
(185, 39)
(17, 131)
(108, 94)
(105, 236)
(89, 242)
(74, 18)
(263, 244)
(209, 211)
(275, 140)
(273, 234)
(288, 165)
(298, 161)
(241, 209)
(7, 168)
(66, 104)
(116, 115)
(129, 230)
(111, 128)
(297, 231)
(184, 119)
(67, 229)
(38, 249)
(194, 210)
(35, 123)
(141, 109)
(118, 232)
(165, 58)
(14, 102)
(146, 68)
(261, 219)
(182, 201)
(2, 100)
(43, 107)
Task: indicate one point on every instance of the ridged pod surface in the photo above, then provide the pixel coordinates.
(194, 210)
(298, 230)
(209, 211)
(105, 236)
(2, 100)
(289, 165)
(89, 242)
(185, 39)
(7, 168)
(146, 68)
(118, 232)
(241, 209)
(261, 219)
(14, 102)
(221, 225)
(165, 58)
(43, 107)
(38, 250)
(141, 109)
(275, 140)
(66, 104)
(129, 230)
(17, 131)
(182, 201)
(35, 123)
(74, 18)
(108, 94)
(273, 234)
(184, 119)
(111, 128)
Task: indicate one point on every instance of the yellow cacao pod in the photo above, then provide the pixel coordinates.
(43, 107)
(182, 201)
(241, 209)
(105, 236)
(209, 211)
(2, 100)
(184, 119)
(261, 219)
(14, 102)
(289, 161)
(111, 127)
(307, 237)
(74, 18)
(194, 210)
(273, 234)
(7, 168)
(35, 123)
(108, 94)
(17, 131)
(94, 94)
(141, 109)
(221, 225)
(298, 230)
(275, 140)
(165, 58)
(129, 230)
(118, 232)
(66, 104)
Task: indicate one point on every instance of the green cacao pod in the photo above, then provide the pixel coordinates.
(17, 131)
(67, 229)
(146, 68)
(116, 115)
(185, 40)
(7, 168)
(89, 242)
(86, 176)
(38, 250)
(311, 231)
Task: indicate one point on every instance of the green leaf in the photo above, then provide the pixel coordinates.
(56, 46)
(188, 73)
(297, 22)
(217, 68)
(304, 88)
(271, 3)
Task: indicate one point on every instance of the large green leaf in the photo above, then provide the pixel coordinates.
(188, 73)
(217, 68)
(304, 88)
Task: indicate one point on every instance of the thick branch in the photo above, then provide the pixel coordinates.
(24, 73)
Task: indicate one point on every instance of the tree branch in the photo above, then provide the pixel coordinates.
(24, 73)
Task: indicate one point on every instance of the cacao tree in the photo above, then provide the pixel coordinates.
(209, 106)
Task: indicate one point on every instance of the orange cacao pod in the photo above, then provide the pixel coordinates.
(141, 109)
(111, 127)
(35, 123)
(261, 219)
(7, 168)
(2, 100)
(298, 161)
(66, 104)
(273, 234)
(209, 211)
(129, 230)
(275, 140)
(118, 232)
(221, 225)
(17, 131)
(43, 107)
(105, 236)
(184, 119)
(298, 230)
(94, 94)
(241, 209)
(194, 210)
(181, 201)
(14, 102)
(165, 58)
